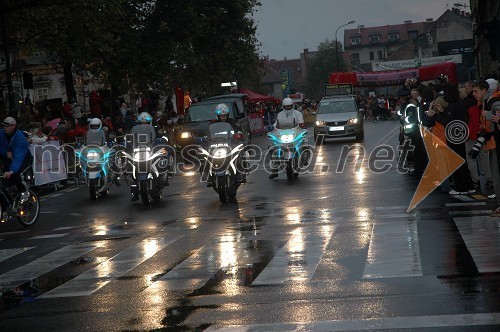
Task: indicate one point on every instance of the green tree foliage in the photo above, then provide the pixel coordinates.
(137, 44)
(321, 66)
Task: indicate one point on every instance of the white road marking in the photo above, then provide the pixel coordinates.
(8, 253)
(299, 257)
(48, 236)
(43, 265)
(394, 251)
(384, 323)
(469, 213)
(66, 228)
(482, 238)
(92, 280)
(466, 204)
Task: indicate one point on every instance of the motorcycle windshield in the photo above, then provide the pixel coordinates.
(220, 131)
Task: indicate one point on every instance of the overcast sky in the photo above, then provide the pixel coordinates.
(286, 27)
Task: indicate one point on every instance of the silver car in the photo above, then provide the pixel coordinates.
(338, 116)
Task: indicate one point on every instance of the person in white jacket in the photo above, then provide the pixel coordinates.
(288, 117)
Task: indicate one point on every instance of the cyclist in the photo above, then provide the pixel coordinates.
(15, 153)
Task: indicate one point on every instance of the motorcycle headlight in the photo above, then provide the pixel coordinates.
(320, 123)
(142, 153)
(186, 134)
(219, 153)
(353, 121)
(92, 155)
(286, 138)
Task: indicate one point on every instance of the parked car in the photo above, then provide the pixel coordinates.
(201, 114)
(338, 116)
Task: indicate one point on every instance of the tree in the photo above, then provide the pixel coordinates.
(142, 44)
(320, 67)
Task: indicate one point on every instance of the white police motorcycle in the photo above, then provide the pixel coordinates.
(290, 150)
(95, 164)
(220, 160)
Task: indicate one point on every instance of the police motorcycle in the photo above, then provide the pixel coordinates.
(290, 150)
(96, 162)
(149, 166)
(220, 159)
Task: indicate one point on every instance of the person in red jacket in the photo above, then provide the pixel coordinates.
(95, 103)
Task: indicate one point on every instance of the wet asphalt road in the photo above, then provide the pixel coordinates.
(334, 250)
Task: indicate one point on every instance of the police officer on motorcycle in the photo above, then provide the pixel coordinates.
(222, 113)
(143, 133)
(287, 118)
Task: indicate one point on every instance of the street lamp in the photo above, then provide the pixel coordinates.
(337, 43)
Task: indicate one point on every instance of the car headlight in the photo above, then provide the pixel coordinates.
(186, 134)
(286, 138)
(353, 121)
(320, 123)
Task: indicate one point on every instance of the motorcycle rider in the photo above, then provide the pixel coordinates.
(222, 113)
(143, 133)
(96, 136)
(287, 118)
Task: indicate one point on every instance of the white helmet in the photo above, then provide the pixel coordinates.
(95, 124)
(287, 102)
(145, 117)
(222, 109)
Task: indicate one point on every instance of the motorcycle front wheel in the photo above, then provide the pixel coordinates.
(143, 187)
(28, 209)
(93, 189)
(222, 190)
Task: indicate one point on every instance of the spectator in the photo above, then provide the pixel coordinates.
(95, 101)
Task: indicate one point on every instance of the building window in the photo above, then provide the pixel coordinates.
(372, 55)
(355, 41)
(393, 37)
(42, 93)
(412, 34)
(374, 39)
(355, 58)
(380, 56)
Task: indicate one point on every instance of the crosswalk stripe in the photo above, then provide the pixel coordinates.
(383, 323)
(482, 238)
(8, 253)
(92, 280)
(43, 265)
(195, 271)
(299, 257)
(394, 250)
(469, 213)
(466, 204)
(48, 236)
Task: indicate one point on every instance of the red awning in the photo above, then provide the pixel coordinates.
(254, 97)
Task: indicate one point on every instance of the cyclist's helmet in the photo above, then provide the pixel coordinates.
(145, 117)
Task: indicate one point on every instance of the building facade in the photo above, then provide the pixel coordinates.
(374, 48)
(486, 23)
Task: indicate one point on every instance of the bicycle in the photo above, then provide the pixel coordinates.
(24, 206)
